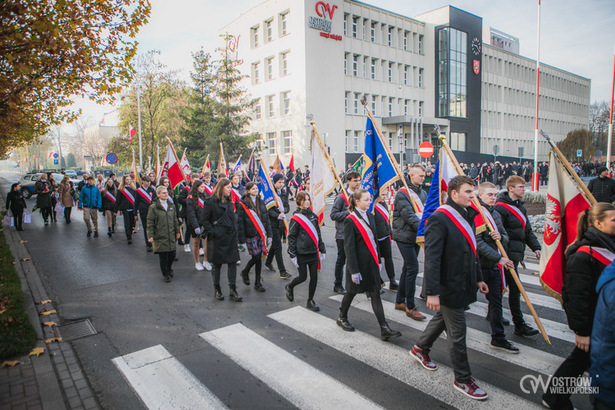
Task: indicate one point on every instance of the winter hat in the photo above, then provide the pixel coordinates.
(601, 169)
(277, 177)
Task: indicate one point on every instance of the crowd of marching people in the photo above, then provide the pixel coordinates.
(215, 217)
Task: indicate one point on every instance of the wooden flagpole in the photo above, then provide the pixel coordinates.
(330, 165)
(512, 271)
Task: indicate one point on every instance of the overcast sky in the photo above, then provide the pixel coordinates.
(576, 35)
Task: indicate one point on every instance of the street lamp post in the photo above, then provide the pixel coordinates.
(139, 125)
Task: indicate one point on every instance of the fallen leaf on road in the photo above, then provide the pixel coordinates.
(42, 302)
(37, 351)
(10, 363)
(53, 339)
(22, 241)
(46, 312)
(24, 259)
(50, 324)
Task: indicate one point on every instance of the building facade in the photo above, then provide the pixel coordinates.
(309, 60)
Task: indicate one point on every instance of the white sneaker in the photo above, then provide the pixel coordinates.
(238, 262)
(199, 266)
(201, 251)
(187, 249)
(207, 265)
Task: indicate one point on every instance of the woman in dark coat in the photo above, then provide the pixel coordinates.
(303, 250)
(362, 262)
(17, 204)
(43, 190)
(163, 231)
(125, 203)
(587, 257)
(195, 212)
(109, 198)
(248, 232)
(220, 225)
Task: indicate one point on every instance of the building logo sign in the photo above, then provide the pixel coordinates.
(323, 22)
(476, 66)
(232, 46)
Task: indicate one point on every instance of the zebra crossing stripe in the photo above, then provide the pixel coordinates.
(162, 382)
(529, 358)
(394, 361)
(289, 376)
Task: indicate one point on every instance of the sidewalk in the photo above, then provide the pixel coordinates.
(54, 380)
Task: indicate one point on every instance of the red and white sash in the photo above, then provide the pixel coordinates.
(515, 211)
(258, 224)
(110, 196)
(145, 195)
(382, 211)
(209, 189)
(128, 196)
(367, 234)
(235, 194)
(415, 200)
(602, 255)
(201, 203)
(460, 223)
(309, 228)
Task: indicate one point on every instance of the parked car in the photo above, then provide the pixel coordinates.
(71, 173)
(28, 181)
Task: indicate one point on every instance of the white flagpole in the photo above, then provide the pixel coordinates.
(536, 176)
(609, 141)
(139, 117)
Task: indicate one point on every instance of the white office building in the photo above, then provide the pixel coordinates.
(314, 60)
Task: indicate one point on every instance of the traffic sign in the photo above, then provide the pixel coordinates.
(111, 158)
(579, 153)
(56, 155)
(56, 162)
(426, 149)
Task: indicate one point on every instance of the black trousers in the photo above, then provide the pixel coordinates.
(67, 212)
(166, 262)
(514, 298)
(374, 296)
(493, 279)
(339, 262)
(257, 262)
(275, 251)
(384, 246)
(17, 217)
(231, 273)
(143, 216)
(303, 272)
(129, 223)
(573, 366)
(46, 212)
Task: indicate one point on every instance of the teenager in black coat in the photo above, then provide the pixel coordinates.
(16, 203)
(383, 231)
(362, 262)
(195, 214)
(249, 235)
(303, 251)
(125, 203)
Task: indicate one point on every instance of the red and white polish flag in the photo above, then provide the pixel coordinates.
(171, 169)
(131, 132)
(565, 202)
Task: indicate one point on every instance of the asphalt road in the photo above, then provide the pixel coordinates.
(172, 345)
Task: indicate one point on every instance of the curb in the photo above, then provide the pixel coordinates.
(61, 382)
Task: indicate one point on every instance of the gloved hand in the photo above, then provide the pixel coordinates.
(322, 257)
(197, 231)
(281, 216)
(356, 278)
(295, 262)
(269, 240)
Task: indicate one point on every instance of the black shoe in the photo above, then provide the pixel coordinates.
(259, 287)
(150, 249)
(218, 293)
(89, 234)
(167, 278)
(387, 333)
(171, 273)
(46, 223)
(290, 294)
(312, 306)
(525, 330)
(423, 297)
(505, 346)
(285, 275)
(505, 321)
(393, 285)
(109, 233)
(95, 234)
(339, 290)
(129, 241)
(113, 229)
(245, 277)
(467, 307)
(342, 321)
(233, 295)
(270, 267)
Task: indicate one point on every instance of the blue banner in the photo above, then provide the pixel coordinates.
(432, 203)
(378, 170)
(265, 188)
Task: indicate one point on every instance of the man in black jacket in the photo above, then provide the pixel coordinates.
(405, 224)
(519, 229)
(145, 195)
(276, 217)
(339, 212)
(602, 187)
(490, 258)
(453, 275)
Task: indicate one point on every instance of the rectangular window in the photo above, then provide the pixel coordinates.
(458, 141)
(364, 67)
(346, 103)
(406, 75)
(345, 24)
(405, 40)
(373, 69)
(346, 64)
(364, 27)
(287, 142)
(283, 23)
(420, 44)
(258, 110)
(420, 108)
(269, 68)
(373, 33)
(390, 72)
(374, 99)
(254, 36)
(346, 138)
(390, 107)
(420, 78)
(271, 141)
(390, 36)
(284, 63)
(285, 102)
(354, 26)
(268, 30)
(270, 106)
(256, 72)
(260, 143)
(355, 103)
(355, 141)
(406, 107)
(355, 65)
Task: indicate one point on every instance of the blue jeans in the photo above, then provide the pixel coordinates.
(407, 279)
